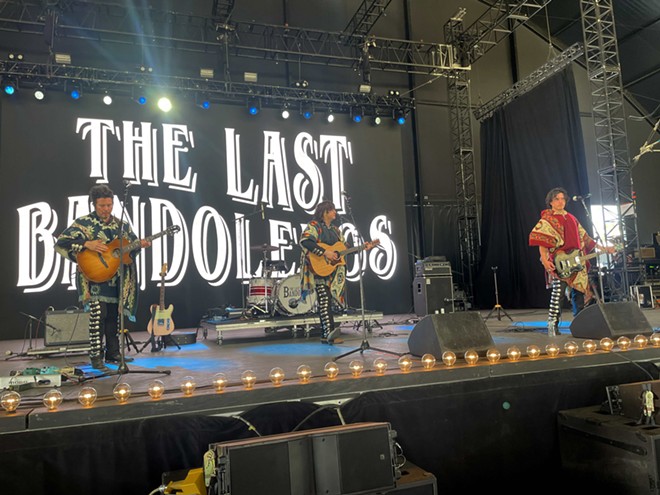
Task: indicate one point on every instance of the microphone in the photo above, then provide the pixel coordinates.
(127, 183)
(579, 198)
(345, 194)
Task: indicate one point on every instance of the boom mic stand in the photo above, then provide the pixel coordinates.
(364, 345)
(598, 237)
(497, 306)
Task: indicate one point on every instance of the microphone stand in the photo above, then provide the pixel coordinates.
(598, 237)
(364, 345)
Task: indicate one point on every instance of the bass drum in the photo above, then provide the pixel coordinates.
(288, 300)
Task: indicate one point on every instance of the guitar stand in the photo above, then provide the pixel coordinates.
(130, 341)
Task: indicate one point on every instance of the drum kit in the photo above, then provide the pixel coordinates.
(269, 296)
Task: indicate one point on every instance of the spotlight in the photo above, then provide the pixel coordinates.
(376, 120)
(9, 87)
(393, 93)
(63, 58)
(253, 106)
(15, 57)
(206, 73)
(202, 101)
(399, 116)
(139, 96)
(141, 100)
(39, 94)
(356, 114)
(76, 93)
(307, 110)
(250, 77)
(107, 99)
(364, 88)
(164, 104)
(301, 83)
(331, 116)
(285, 113)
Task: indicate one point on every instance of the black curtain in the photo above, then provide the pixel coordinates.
(528, 147)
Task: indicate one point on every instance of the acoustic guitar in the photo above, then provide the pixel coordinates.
(161, 322)
(101, 267)
(323, 267)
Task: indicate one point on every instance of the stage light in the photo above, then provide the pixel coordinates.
(655, 339)
(428, 361)
(641, 341)
(405, 363)
(471, 357)
(513, 353)
(156, 389)
(285, 113)
(364, 88)
(9, 87)
(399, 116)
(63, 58)
(276, 376)
(87, 396)
(188, 385)
(10, 401)
(206, 73)
(15, 57)
(493, 355)
(52, 399)
(331, 370)
(202, 101)
(356, 367)
(533, 351)
(356, 114)
(623, 342)
(571, 348)
(219, 382)
(552, 350)
(376, 120)
(249, 378)
(307, 110)
(304, 373)
(253, 106)
(448, 358)
(251, 77)
(393, 93)
(331, 117)
(606, 343)
(380, 366)
(589, 346)
(107, 99)
(39, 94)
(141, 100)
(122, 392)
(76, 91)
(164, 104)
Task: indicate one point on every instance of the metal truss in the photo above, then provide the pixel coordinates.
(52, 76)
(365, 17)
(614, 170)
(222, 10)
(524, 86)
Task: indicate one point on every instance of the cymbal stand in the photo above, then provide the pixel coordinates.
(364, 345)
(497, 306)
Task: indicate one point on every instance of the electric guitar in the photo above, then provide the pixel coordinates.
(323, 267)
(101, 267)
(161, 322)
(571, 262)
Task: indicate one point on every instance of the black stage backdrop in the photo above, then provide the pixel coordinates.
(208, 171)
(527, 148)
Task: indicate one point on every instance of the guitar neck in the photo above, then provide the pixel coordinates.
(162, 294)
(352, 250)
(137, 243)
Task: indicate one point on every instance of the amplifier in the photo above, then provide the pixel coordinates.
(433, 295)
(432, 268)
(66, 327)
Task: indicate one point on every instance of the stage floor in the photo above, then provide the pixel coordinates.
(262, 349)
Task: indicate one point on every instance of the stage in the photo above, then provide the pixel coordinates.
(478, 423)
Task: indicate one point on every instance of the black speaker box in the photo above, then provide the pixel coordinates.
(67, 327)
(456, 332)
(610, 320)
(433, 294)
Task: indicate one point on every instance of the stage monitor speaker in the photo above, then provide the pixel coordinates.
(456, 332)
(66, 327)
(433, 294)
(610, 320)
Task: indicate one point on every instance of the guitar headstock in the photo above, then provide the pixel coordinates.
(172, 229)
(372, 244)
(163, 270)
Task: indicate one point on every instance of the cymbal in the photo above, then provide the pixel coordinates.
(264, 247)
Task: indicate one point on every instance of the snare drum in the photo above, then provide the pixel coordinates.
(288, 300)
(261, 291)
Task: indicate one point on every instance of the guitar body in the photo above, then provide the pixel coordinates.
(101, 267)
(321, 266)
(161, 322)
(569, 263)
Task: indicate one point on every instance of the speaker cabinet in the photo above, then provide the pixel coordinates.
(433, 294)
(456, 332)
(610, 320)
(67, 327)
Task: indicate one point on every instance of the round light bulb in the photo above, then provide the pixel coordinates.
(552, 350)
(471, 357)
(188, 385)
(405, 363)
(641, 341)
(380, 366)
(331, 370)
(219, 382)
(571, 348)
(87, 396)
(589, 346)
(122, 392)
(10, 401)
(606, 343)
(52, 399)
(655, 339)
(428, 361)
(356, 367)
(304, 373)
(623, 343)
(156, 389)
(276, 376)
(448, 358)
(533, 351)
(513, 353)
(249, 378)
(493, 355)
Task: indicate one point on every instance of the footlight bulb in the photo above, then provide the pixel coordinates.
(356, 367)
(304, 373)
(552, 350)
(122, 392)
(380, 366)
(428, 361)
(641, 341)
(606, 344)
(52, 399)
(513, 353)
(533, 351)
(623, 343)
(493, 355)
(448, 358)
(589, 346)
(249, 378)
(571, 348)
(156, 389)
(331, 370)
(87, 396)
(276, 376)
(10, 401)
(471, 357)
(405, 363)
(188, 385)
(655, 339)
(219, 382)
